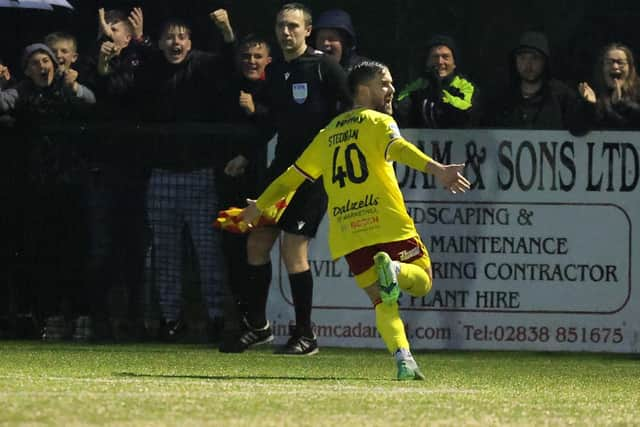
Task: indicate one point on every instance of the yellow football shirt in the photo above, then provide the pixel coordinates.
(365, 202)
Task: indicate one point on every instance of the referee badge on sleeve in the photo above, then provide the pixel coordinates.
(300, 92)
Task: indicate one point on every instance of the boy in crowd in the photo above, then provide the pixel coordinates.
(181, 85)
(115, 189)
(52, 210)
(246, 166)
(65, 47)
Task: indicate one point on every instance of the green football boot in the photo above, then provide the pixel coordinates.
(408, 370)
(387, 278)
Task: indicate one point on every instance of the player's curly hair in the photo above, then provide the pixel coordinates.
(364, 72)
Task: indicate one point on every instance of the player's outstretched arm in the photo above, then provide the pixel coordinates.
(279, 188)
(450, 176)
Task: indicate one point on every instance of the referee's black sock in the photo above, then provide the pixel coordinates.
(302, 292)
(258, 281)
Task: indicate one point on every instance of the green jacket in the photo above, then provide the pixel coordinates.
(447, 103)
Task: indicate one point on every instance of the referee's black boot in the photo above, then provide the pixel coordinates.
(300, 345)
(249, 337)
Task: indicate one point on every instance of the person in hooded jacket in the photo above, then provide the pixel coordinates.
(534, 99)
(333, 33)
(442, 97)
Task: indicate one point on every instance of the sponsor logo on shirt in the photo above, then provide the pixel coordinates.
(350, 121)
(408, 254)
(354, 205)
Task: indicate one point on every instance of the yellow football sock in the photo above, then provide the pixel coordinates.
(390, 326)
(414, 280)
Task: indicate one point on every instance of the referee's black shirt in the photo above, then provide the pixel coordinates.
(302, 96)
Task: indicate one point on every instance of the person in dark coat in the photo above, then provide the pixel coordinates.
(334, 34)
(53, 234)
(182, 87)
(534, 99)
(114, 192)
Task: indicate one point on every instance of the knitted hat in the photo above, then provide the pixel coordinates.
(33, 48)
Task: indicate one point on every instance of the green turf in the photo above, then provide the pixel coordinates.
(154, 384)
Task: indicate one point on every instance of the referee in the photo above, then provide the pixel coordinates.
(304, 91)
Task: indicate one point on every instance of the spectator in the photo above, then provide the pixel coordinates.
(65, 47)
(5, 82)
(254, 54)
(116, 185)
(5, 75)
(45, 88)
(441, 97)
(614, 102)
(182, 85)
(11, 219)
(333, 33)
(245, 167)
(302, 94)
(54, 237)
(535, 100)
(114, 67)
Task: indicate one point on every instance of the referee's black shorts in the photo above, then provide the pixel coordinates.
(305, 210)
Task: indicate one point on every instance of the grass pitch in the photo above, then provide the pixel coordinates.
(156, 384)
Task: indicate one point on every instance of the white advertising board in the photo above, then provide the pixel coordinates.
(539, 255)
